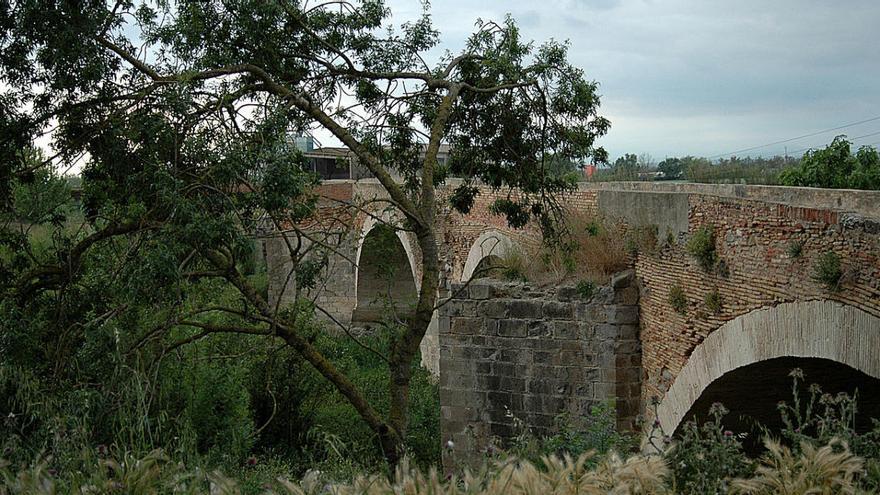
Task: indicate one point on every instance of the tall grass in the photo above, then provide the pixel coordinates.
(816, 470)
(595, 248)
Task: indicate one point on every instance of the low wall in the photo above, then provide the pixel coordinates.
(511, 351)
(865, 203)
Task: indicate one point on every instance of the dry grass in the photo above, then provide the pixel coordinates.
(563, 476)
(818, 470)
(595, 249)
(830, 469)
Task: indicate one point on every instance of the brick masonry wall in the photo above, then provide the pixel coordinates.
(753, 240)
(461, 231)
(534, 353)
(754, 228)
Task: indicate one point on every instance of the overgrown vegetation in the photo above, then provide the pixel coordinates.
(677, 299)
(701, 245)
(708, 456)
(818, 451)
(795, 249)
(184, 119)
(828, 271)
(592, 249)
(713, 301)
(585, 289)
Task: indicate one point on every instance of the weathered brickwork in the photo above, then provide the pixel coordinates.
(510, 351)
(541, 352)
(757, 269)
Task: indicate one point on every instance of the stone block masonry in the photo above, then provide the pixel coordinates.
(511, 352)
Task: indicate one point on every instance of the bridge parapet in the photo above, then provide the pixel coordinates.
(865, 203)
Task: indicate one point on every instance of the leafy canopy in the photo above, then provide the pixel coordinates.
(835, 166)
(182, 116)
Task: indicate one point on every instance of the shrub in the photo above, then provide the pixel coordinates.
(218, 409)
(594, 249)
(677, 299)
(597, 433)
(713, 302)
(708, 456)
(701, 246)
(828, 271)
(795, 249)
(586, 289)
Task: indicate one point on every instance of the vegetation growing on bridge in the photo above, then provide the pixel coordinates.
(594, 248)
(701, 245)
(828, 271)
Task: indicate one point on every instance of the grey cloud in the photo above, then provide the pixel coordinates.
(699, 76)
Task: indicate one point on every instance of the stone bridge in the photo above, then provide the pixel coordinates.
(670, 328)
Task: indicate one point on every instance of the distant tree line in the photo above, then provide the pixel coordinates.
(835, 166)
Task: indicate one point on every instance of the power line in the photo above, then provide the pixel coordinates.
(796, 138)
(851, 139)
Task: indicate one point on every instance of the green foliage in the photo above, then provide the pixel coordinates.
(596, 432)
(735, 170)
(626, 167)
(585, 289)
(677, 299)
(828, 271)
(701, 246)
(187, 158)
(795, 249)
(517, 213)
(822, 453)
(44, 198)
(713, 301)
(462, 198)
(342, 443)
(672, 168)
(836, 166)
(816, 418)
(218, 410)
(707, 456)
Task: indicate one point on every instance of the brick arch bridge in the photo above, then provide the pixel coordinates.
(538, 352)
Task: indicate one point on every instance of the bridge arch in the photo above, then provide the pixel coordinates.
(819, 331)
(387, 270)
(491, 246)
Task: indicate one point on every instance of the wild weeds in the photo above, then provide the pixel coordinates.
(595, 248)
(701, 246)
(828, 271)
(831, 468)
(677, 299)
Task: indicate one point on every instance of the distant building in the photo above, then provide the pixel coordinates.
(341, 163)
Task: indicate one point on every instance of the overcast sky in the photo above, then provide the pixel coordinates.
(705, 77)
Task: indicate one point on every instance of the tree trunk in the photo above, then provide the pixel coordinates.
(406, 347)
